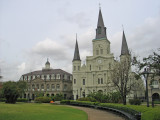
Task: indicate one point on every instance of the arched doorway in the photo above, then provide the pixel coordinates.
(100, 91)
(155, 96)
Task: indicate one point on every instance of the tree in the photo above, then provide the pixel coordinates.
(122, 77)
(12, 90)
(153, 62)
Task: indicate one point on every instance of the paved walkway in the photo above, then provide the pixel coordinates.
(95, 114)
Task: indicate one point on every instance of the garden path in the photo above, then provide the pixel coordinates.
(95, 114)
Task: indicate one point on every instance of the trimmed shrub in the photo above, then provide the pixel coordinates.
(87, 99)
(22, 100)
(2, 99)
(135, 101)
(65, 102)
(43, 100)
(57, 97)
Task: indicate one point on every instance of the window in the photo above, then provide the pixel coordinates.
(65, 87)
(78, 67)
(97, 52)
(98, 80)
(90, 67)
(74, 81)
(83, 81)
(109, 65)
(155, 82)
(101, 51)
(53, 77)
(48, 77)
(74, 67)
(53, 87)
(58, 86)
(37, 86)
(42, 86)
(58, 76)
(101, 80)
(48, 87)
(33, 86)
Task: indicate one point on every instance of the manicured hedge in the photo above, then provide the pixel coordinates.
(22, 100)
(43, 100)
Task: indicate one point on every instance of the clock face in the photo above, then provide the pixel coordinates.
(99, 61)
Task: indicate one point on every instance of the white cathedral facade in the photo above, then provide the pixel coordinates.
(94, 76)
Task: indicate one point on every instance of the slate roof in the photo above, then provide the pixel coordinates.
(48, 71)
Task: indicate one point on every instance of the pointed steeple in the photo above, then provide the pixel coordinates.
(101, 29)
(124, 48)
(76, 52)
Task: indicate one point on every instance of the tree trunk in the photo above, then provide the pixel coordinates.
(124, 100)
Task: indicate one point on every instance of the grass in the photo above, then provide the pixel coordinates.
(32, 111)
(148, 113)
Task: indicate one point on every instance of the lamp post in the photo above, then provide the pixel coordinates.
(146, 74)
(151, 86)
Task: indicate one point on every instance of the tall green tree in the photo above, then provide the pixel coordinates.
(12, 90)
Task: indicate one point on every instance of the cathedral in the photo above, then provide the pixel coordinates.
(94, 76)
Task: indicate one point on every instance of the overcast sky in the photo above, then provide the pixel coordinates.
(33, 30)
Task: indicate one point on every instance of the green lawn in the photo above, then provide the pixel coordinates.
(33, 111)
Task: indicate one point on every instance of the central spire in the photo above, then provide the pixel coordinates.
(101, 29)
(124, 48)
